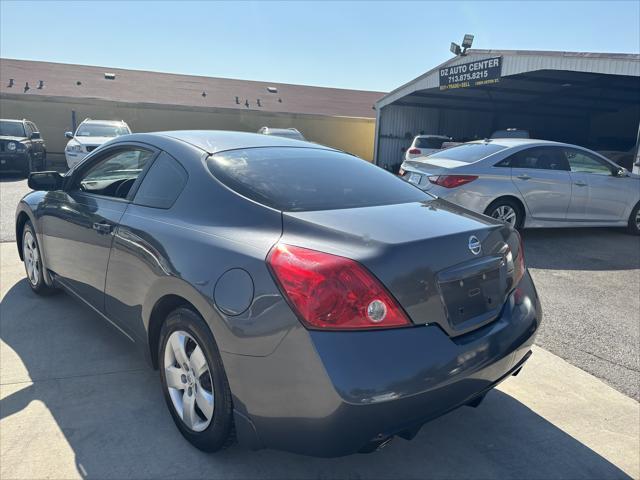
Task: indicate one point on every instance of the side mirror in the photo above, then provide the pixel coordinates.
(46, 181)
(35, 136)
(68, 134)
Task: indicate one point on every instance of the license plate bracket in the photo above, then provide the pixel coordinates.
(476, 296)
(415, 178)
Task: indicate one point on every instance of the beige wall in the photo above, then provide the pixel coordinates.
(52, 115)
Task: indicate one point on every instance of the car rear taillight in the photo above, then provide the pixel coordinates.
(415, 151)
(452, 181)
(332, 292)
(520, 266)
(516, 262)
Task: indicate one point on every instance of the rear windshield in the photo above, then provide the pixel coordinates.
(303, 179)
(12, 129)
(430, 142)
(469, 152)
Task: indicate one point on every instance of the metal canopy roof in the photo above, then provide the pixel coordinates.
(535, 82)
(537, 93)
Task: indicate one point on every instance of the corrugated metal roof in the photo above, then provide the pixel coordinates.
(135, 86)
(521, 61)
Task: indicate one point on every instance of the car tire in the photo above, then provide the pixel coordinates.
(28, 168)
(507, 210)
(634, 220)
(32, 260)
(206, 425)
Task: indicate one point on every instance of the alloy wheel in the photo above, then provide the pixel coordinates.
(188, 380)
(638, 219)
(506, 214)
(31, 258)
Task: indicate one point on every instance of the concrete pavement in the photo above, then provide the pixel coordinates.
(77, 401)
(589, 283)
(12, 188)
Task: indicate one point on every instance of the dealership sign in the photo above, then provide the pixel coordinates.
(472, 74)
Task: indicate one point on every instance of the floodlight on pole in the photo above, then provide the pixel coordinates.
(467, 41)
(455, 49)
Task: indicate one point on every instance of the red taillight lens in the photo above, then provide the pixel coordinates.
(516, 260)
(332, 292)
(452, 181)
(415, 151)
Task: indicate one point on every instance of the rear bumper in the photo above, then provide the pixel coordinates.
(473, 200)
(14, 162)
(334, 393)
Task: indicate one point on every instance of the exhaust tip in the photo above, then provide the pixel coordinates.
(377, 444)
(384, 444)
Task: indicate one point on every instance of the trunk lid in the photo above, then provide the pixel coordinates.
(423, 253)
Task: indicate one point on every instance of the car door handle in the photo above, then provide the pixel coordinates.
(524, 176)
(580, 184)
(102, 227)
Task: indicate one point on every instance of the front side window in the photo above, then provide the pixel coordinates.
(12, 129)
(101, 130)
(114, 174)
(468, 152)
(584, 162)
(162, 184)
(303, 179)
(541, 158)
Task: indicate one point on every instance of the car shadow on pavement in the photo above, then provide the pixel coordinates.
(10, 177)
(582, 249)
(101, 399)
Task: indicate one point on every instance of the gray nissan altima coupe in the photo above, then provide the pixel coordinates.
(292, 296)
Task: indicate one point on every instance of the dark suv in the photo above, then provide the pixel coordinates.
(22, 149)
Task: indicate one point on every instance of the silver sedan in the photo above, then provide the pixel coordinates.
(531, 183)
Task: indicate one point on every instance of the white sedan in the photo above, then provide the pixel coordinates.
(531, 183)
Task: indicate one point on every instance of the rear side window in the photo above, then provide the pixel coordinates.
(162, 184)
(469, 152)
(303, 179)
(540, 158)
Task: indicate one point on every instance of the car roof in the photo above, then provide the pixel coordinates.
(104, 122)
(212, 141)
(516, 142)
(281, 130)
(12, 120)
(428, 135)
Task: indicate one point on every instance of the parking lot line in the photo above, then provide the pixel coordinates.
(77, 401)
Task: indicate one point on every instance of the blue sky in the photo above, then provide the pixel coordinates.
(361, 45)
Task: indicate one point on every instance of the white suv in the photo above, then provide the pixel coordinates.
(89, 135)
(424, 145)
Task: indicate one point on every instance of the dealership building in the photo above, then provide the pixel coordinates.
(589, 99)
(58, 96)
